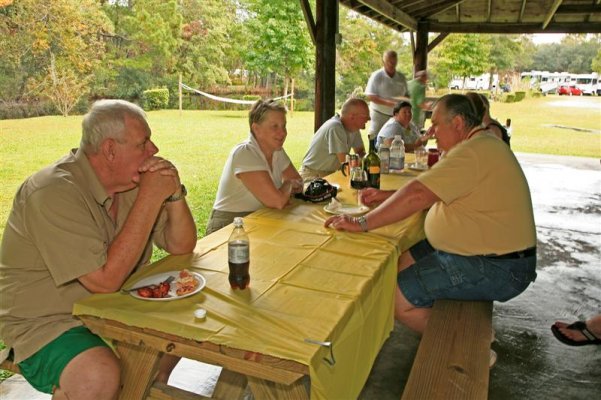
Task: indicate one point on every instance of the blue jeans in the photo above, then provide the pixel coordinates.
(440, 275)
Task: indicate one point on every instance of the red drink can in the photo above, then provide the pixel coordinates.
(433, 156)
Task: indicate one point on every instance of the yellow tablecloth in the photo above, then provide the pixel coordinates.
(307, 282)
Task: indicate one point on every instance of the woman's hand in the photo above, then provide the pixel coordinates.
(293, 185)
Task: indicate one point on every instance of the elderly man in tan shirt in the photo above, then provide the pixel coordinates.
(82, 226)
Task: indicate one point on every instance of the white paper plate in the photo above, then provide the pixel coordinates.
(350, 209)
(416, 167)
(158, 278)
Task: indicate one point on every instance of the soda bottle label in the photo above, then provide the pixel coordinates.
(238, 253)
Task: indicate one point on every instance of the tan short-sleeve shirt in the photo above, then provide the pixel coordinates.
(485, 205)
(58, 230)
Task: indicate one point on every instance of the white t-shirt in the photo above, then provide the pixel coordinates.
(232, 195)
(392, 128)
(331, 138)
(380, 84)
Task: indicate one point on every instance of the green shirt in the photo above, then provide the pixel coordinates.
(417, 92)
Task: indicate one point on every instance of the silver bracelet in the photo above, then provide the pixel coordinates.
(362, 222)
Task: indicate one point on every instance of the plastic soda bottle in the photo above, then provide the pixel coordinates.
(238, 252)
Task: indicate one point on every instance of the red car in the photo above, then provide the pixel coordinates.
(570, 90)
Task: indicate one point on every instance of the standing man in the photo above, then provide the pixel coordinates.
(82, 226)
(417, 92)
(480, 237)
(385, 88)
(334, 139)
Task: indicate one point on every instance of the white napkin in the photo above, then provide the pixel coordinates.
(334, 204)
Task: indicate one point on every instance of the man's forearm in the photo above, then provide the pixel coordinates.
(406, 201)
(180, 233)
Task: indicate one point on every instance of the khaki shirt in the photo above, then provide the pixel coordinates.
(485, 205)
(58, 230)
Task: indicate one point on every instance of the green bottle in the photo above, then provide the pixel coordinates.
(371, 164)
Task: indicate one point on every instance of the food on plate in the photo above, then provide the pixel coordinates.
(155, 291)
(186, 283)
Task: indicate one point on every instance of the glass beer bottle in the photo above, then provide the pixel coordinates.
(238, 252)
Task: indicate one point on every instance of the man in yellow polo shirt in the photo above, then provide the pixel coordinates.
(480, 228)
(82, 226)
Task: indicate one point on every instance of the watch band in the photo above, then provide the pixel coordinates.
(362, 222)
(182, 193)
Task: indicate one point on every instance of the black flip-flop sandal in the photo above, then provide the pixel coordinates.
(577, 326)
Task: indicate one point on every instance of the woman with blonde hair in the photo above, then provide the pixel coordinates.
(258, 172)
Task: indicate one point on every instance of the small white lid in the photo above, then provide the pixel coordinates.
(200, 313)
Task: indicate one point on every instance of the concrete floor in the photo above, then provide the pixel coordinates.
(566, 192)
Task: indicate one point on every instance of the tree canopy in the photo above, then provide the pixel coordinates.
(67, 51)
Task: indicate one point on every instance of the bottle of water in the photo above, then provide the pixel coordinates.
(238, 256)
(384, 153)
(397, 155)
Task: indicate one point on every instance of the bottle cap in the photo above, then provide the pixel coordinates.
(238, 221)
(200, 313)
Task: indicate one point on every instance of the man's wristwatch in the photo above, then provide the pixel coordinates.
(175, 197)
(362, 222)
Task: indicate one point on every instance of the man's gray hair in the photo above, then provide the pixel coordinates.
(458, 104)
(106, 119)
(351, 104)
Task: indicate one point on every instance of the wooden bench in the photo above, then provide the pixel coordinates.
(452, 361)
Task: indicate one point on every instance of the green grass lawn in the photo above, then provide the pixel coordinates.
(198, 142)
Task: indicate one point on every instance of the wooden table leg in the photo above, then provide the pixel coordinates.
(262, 389)
(139, 365)
(231, 385)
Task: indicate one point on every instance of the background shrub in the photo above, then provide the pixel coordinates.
(155, 99)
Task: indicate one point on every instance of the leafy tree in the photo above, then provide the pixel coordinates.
(574, 54)
(45, 45)
(464, 55)
(209, 34)
(504, 53)
(596, 63)
(143, 50)
(280, 41)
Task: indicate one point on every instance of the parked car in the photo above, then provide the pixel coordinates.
(569, 90)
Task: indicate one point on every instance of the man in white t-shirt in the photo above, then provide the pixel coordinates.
(385, 88)
(334, 139)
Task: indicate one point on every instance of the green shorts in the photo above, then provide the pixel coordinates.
(43, 369)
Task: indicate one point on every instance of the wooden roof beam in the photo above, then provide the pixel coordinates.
(551, 12)
(309, 19)
(392, 13)
(430, 8)
(436, 41)
(553, 27)
(579, 9)
(521, 16)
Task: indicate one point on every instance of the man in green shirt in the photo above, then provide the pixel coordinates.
(417, 92)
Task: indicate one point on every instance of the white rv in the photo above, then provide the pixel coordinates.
(588, 83)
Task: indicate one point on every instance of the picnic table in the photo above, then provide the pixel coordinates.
(320, 304)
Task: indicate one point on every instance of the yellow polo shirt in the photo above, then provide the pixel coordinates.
(486, 206)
